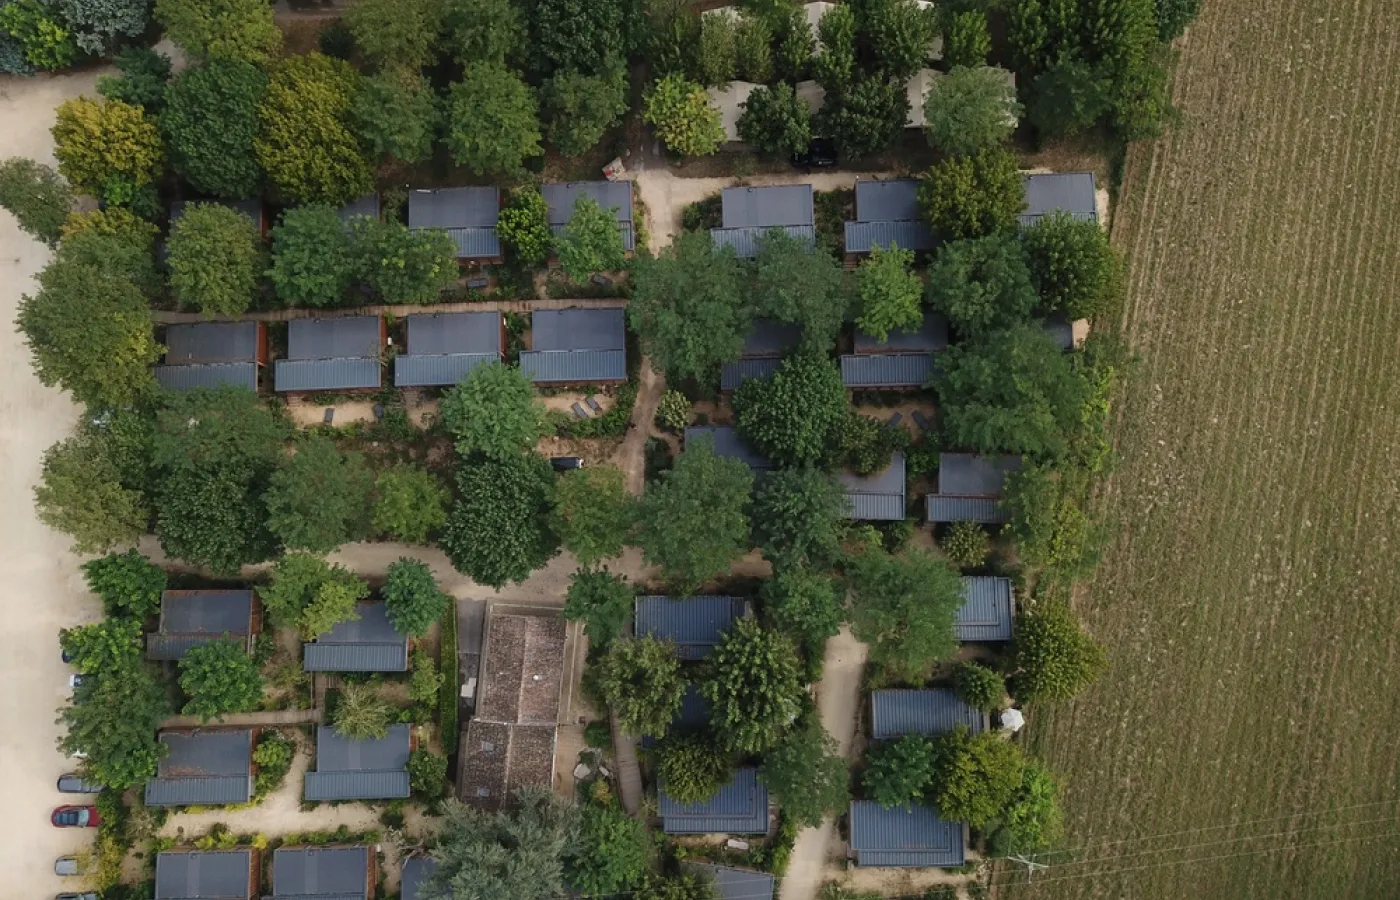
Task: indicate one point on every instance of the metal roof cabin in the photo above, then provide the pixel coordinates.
(989, 611)
(365, 644)
(887, 212)
(694, 714)
(416, 871)
(694, 625)
(902, 361)
(614, 195)
(375, 769)
(747, 212)
(467, 214)
(203, 768)
(1060, 330)
(740, 807)
(201, 874)
(737, 884)
(331, 353)
(321, 873)
(191, 619)
(576, 346)
(728, 445)
(969, 488)
(905, 838)
(443, 348)
(212, 354)
(367, 206)
(764, 348)
(1068, 192)
(878, 497)
(928, 712)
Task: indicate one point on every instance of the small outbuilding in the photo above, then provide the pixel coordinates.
(989, 612)
(740, 807)
(904, 838)
(375, 769)
(367, 643)
(614, 195)
(903, 361)
(443, 348)
(467, 214)
(969, 488)
(878, 497)
(749, 212)
(206, 875)
(322, 873)
(206, 767)
(213, 354)
(738, 884)
(366, 207)
(416, 872)
(887, 214)
(1067, 192)
(190, 619)
(894, 713)
(576, 346)
(765, 346)
(694, 625)
(728, 445)
(331, 353)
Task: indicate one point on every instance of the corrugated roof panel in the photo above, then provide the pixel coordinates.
(769, 205)
(740, 807)
(326, 374)
(1028, 221)
(862, 237)
(732, 374)
(1071, 192)
(170, 648)
(211, 342)
(886, 370)
(942, 508)
(206, 752)
(905, 838)
(475, 243)
(431, 334)
(361, 784)
(629, 237)
(863, 507)
(340, 754)
(744, 241)
(894, 200)
(578, 329)
(930, 712)
(450, 208)
(972, 475)
(877, 497)
(213, 375)
(987, 615)
(199, 790)
(560, 198)
(320, 871)
(931, 336)
(201, 874)
(416, 870)
(574, 366)
(439, 370)
(737, 884)
(206, 612)
(355, 657)
(728, 445)
(694, 624)
(335, 337)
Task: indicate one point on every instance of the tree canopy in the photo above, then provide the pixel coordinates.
(81, 493)
(775, 120)
(898, 772)
(410, 503)
(497, 531)
(513, 854)
(612, 852)
(305, 142)
(1072, 265)
(890, 293)
(691, 768)
(804, 603)
(982, 284)
(101, 147)
(36, 196)
(210, 122)
(403, 265)
(640, 678)
(904, 607)
(412, 599)
(1052, 657)
(685, 121)
(807, 775)
(312, 262)
(219, 677)
(754, 687)
(396, 34)
(107, 646)
(974, 777)
(591, 241)
(493, 123)
(791, 416)
(866, 117)
(970, 196)
(113, 719)
(307, 593)
(579, 109)
(593, 513)
(970, 110)
(523, 226)
(794, 284)
(221, 29)
(319, 498)
(602, 601)
(799, 516)
(129, 584)
(396, 116)
(896, 35)
(583, 37)
(216, 260)
(493, 411)
(484, 30)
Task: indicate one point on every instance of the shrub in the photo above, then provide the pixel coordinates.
(98, 145)
(673, 411)
(970, 196)
(683, 117)
(361, 714)
(966, 544)
(602, 601)
(410, 503)
(1053, 659)
(424, 684)
(692, 768)
(47, 44)
(979, 686)
(597, 735)
(427, 774)
(36, 196)
(273, 756)
(523, 226)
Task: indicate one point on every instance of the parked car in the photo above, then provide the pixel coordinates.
(820, 154)
(67, 657)
(66, 865)
(75, 817)
(89, 895)
(72, 783)
(75, 680)
(566, 463)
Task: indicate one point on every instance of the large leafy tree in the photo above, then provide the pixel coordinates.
(123, 254)
(219, 678)
(602, 601)
(210, 122)
(689, 307)
(691, 768)
(312, 263)
(799, 516)
(523, 226)
(213, 518)
(1069, 97)
(793, 284)
(835, 67)
(307, 593)
(81, 493)
(591, 242)
(685, 121)
(1052, 657)
(216, 260)
(904, 607)
(974, 777)
(305, 141)
(686, 884)
(36, 196)
(484, 30)
(113, 720)
(412, 598)
(410, 503)
(221, 29)
(577, 35)
(890, 293)
(402, 265)
(776, 121)
(640, 678)
(1032, 819)
(982, 284)
(898, 773)
(966, 39)
(497, 531)
(896, 35)
(493, 123)
(396, 115)
(101, 147)
(970, 110)
(513, 854)
(804, 603)
(129, 584)
(396, 34)
(754, 687)
(98, 25)
(593, 513)
(612, 851)
(143, 78)
(1072, 265)
(865, 118)
(319, 498)
(494, 412)
(791, 416)
(715, 59)
(692, 520)
(107, 646)
(579, 109)
(970, 196)
(806, 774)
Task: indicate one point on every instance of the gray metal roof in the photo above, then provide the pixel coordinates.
(475, 243)
(878, 497)
(694, 624)
(441, 370)
(213, 375)
(736, 884)
(560, 198)
(204, 874)
(732, 374)
(629, 236)
(340, 754)
(211, 342)
(470, 332)
(862, 237)
(1071, 192)
(335, 337)
(366, 644)
(905, 838)
(378, 784)
(894, 200)
(930, 336)
(577, 329)
(416, 870)
(930, 712)
(461, 207)
(368, 205)
(744, 241)
(320, 871)
(740, 807)
(203, 768)
(886, 370)
(326, 374)
(172, 647)
(190, 619)
(574, 366)
(1060, 331)
(768, 338)
(986, 510)
(728, 445)
(760, 207)
(972, 475)
(987, 615)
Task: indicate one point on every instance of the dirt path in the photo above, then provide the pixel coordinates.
(631, 459)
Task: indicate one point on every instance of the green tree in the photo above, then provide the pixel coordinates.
(360, 714)
(799, 517)
(890, 293)
(689, 307)
(427, 774)
(685, 121)
(493, 123)
(715, 58)
(591, 242)
(791, 415)
(113, 720)
(897, 35)
(579, 109)
(612, 852)
(114, 221)
(425, 684)
(593, 513)
(692, 521)
(99, 145)
(583, 37)
(673, 411)
(754, 687)
(753, 49)
(209, 427)
(297, 584)
(1068, 98)
(484, 30)
(1032, 819)
(110, 645)
(36, 196)
(80, 493)
(216, 260)
(899, 772)
(793, 284)
(975, 777)
(1051, 656)
(118, 255)
(904, 608)
(129, 584)
(396, 116)
(684, 885)
(32, 30)
(1072, 265)
(979, 686)
(803, 603)
(210, 122)
(410, 503)
(792, 44)
(494, 412)
(835, 67)
(333, 603)
(396, 34)
(523, 226)
(691, 768)
(497, 531)
(143, 78)
(807, 774)
(412, 598)
(640, 679)
(319, 498)
(602, 601)
(305, 139)
(971, 196)
(219, 678)
(966, 40)
(982, 284)
(312, 264)
(221, 29)
(970, 110)
(866, 117)
(966, 544)
(1013, 391)
(213, 518)
(1173, 16)
(400, 265)
(515, 854)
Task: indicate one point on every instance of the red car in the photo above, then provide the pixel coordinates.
(75, 817)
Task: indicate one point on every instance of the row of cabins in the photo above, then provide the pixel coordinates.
(298, 873)
(344, 353)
